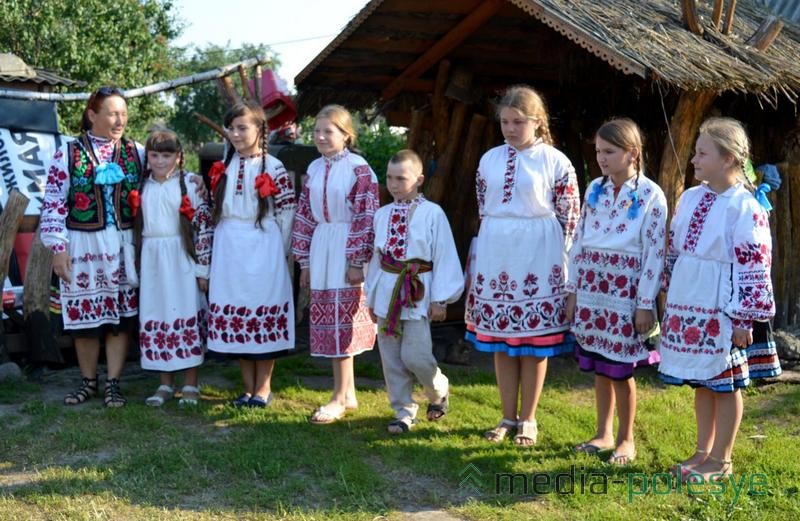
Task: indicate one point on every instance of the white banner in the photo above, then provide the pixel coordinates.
(23, 164)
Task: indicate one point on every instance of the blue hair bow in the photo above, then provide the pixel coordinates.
(636, 203)
(108, 174)
(594, 196)
(761, 196)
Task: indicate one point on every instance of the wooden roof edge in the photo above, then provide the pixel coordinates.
(349, 29)
(578, 35)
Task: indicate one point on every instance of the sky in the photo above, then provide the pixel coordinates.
(297, 30)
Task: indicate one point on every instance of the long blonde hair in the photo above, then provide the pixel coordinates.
(341, 119)
(729, 136)
(531, 105)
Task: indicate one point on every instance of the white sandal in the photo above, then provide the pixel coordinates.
(163, 393)
(189, 396)
(500, 432)
(526, 431)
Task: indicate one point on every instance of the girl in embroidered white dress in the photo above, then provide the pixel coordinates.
(716, 333)
(529, 205)
(176, 251)
(614, 276)
(251, 306)
(332, 241)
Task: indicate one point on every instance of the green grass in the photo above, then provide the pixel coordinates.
(217, 462)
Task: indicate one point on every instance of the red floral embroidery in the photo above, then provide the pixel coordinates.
(240, 177)
(81, 201)
(227, 323)
(698, 220)
(182, 338)
(396, 232)
(340, 322)
(693, 329)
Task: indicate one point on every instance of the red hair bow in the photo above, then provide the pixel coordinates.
(265, 185)
(134, 201)
(215, 173)
(186, 208)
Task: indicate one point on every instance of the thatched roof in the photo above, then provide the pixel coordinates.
(642, 38)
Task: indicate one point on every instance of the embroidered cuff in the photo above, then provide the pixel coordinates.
(302, 261)
(646, 303)
(59, 247)
(741, 323)
(571, 287)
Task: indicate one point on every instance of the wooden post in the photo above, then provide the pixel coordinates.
(229, 94)
(729, 17)
(716, 16)
(247, 94)
(440, 107)
(438, 185)
(689, 113)
(791, 178)
(463, 192)
(42, 346)
(10, 220)
(257, 83)
(689, 10)
(769, 29)
(212, 124)
(414, 136)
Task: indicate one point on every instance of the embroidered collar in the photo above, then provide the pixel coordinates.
(411, 202)
(337, 157)
(536, 141)
(251, 156)
(727, 193)
(99, 141)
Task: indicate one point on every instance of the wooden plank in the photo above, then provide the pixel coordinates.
(782, 252)
(449, 42)
(41, 346)
(415, 129)
(247, 94)
(690, 111)
(426, 6)
(792, 268)
(10, 220)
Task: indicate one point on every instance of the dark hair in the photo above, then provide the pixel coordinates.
(624, 133)
(255, 112)
(95, 103)
(162, 139)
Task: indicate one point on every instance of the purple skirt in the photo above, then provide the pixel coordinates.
(592, 362)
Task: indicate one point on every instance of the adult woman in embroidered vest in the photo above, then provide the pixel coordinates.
(87, 219)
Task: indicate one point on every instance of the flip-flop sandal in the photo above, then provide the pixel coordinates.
(621, 460)
(436, 411)
(322, 416)
(590, 448)
(162, 394)
(500, 432)
(400, 426)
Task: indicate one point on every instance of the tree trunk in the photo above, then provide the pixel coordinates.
(444, 168)
(689, 113)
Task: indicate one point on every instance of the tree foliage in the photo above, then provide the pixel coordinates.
(124, 43)
(204, 97)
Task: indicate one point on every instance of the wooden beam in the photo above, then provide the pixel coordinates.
(415, 129)
(257, 83)
(440, 107)
(247, 94)
(440, 49)
(227, 91)
(439, 183)
(683, 126)
(729, 17)
(689, 11)
(766, 33)
(41, 344)
(716, 16)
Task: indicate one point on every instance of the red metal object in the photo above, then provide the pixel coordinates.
(275, 99)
